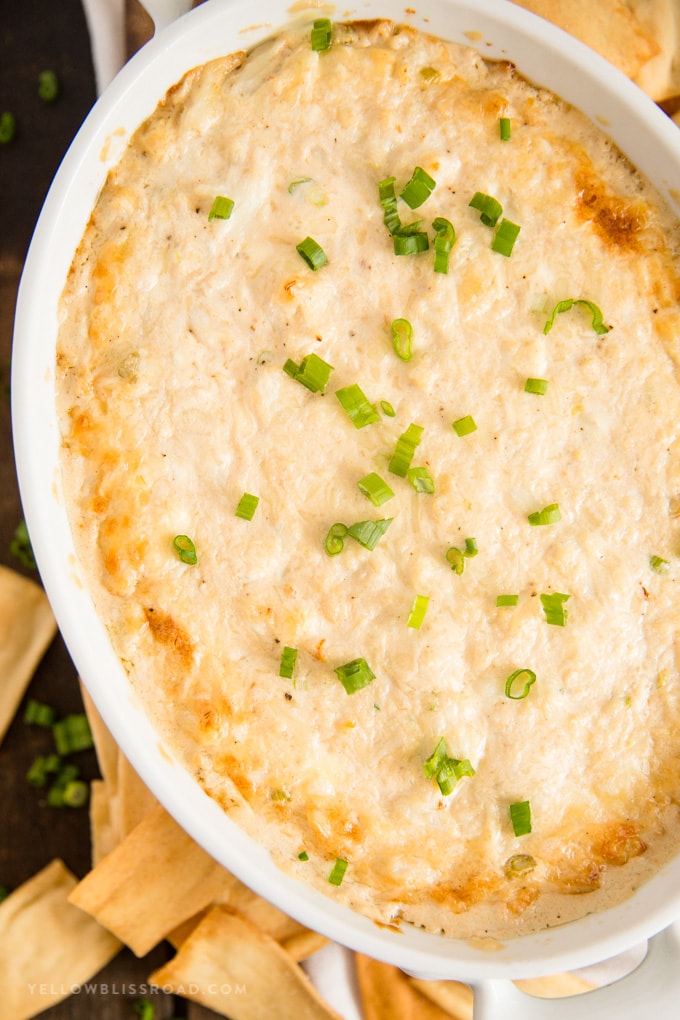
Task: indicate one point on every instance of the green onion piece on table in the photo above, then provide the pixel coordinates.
(37, 713)
(48, 86)
(72, 734)
(8, 127)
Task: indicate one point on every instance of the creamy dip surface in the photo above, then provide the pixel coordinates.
(174, 402)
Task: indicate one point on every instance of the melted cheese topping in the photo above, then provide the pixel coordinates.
(174, 403)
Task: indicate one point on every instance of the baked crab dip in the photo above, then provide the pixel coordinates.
(368, 386)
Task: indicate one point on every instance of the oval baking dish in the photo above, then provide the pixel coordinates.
(500, 31)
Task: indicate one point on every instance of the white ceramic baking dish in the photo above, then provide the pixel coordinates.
(545, 55)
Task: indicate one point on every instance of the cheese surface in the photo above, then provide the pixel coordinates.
(174, 402)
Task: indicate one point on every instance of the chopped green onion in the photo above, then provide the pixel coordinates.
(335, 539)
(75, 793)
(489, 208)
(402, 336)
(43, 766)
(505, 237)
(447, 771)
(504, 128)
(445, 237)
(4, 892)
(430, 74)
(221, 209)
(21, 547)
(72, 734)
(550, 514)
(56, 795)
(185, 548)
(357, 406)
(464, 426)
(312, 253)
(456, 558)
(417, 613)
(418, 189)
(410, 243)
(520, 816)
(564, 306)
(470, 548)
(355, 675)
(8, 127)
(388, 201)
(48, 86)
(375, 489)
(144, 1009)
(539, 386)
(659, 565)
(321, 34)
(369, 533)
(526, 676)
(421, 479)
(313, 372)
(303, 856)
(507, 600)
(405, 449)
(39, 714)
(247, 505)
(387, 408)
(553, 607)
(287, 664)
(338, 872)
(518, 865)
(294, 185)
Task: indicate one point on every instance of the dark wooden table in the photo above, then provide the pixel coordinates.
(39, 35)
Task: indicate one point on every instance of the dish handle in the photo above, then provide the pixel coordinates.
(164, 12)
(653, 988)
